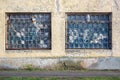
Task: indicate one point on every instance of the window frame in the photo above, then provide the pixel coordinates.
(74, 13)
(6, 30)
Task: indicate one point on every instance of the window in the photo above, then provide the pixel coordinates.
(28, 31)
(88, 31)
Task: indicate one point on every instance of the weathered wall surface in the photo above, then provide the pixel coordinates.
(58, 8)
(61, 63)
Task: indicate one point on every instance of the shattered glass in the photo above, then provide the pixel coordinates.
(29, 31)
(89, 31)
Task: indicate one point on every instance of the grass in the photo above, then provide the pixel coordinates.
(56, 78)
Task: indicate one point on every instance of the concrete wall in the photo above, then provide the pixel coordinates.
(58, 8)
(61, 63)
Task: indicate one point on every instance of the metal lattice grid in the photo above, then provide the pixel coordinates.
(28, 31)
(89, 31)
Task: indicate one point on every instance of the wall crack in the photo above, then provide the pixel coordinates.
(57, 5)
(116, 4)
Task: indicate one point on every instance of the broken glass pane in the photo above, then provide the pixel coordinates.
(89, 31)
(29, 31)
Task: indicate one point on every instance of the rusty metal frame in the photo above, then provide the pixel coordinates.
(74, 13)
(6, 32)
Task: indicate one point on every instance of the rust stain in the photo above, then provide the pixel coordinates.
(83, 64)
